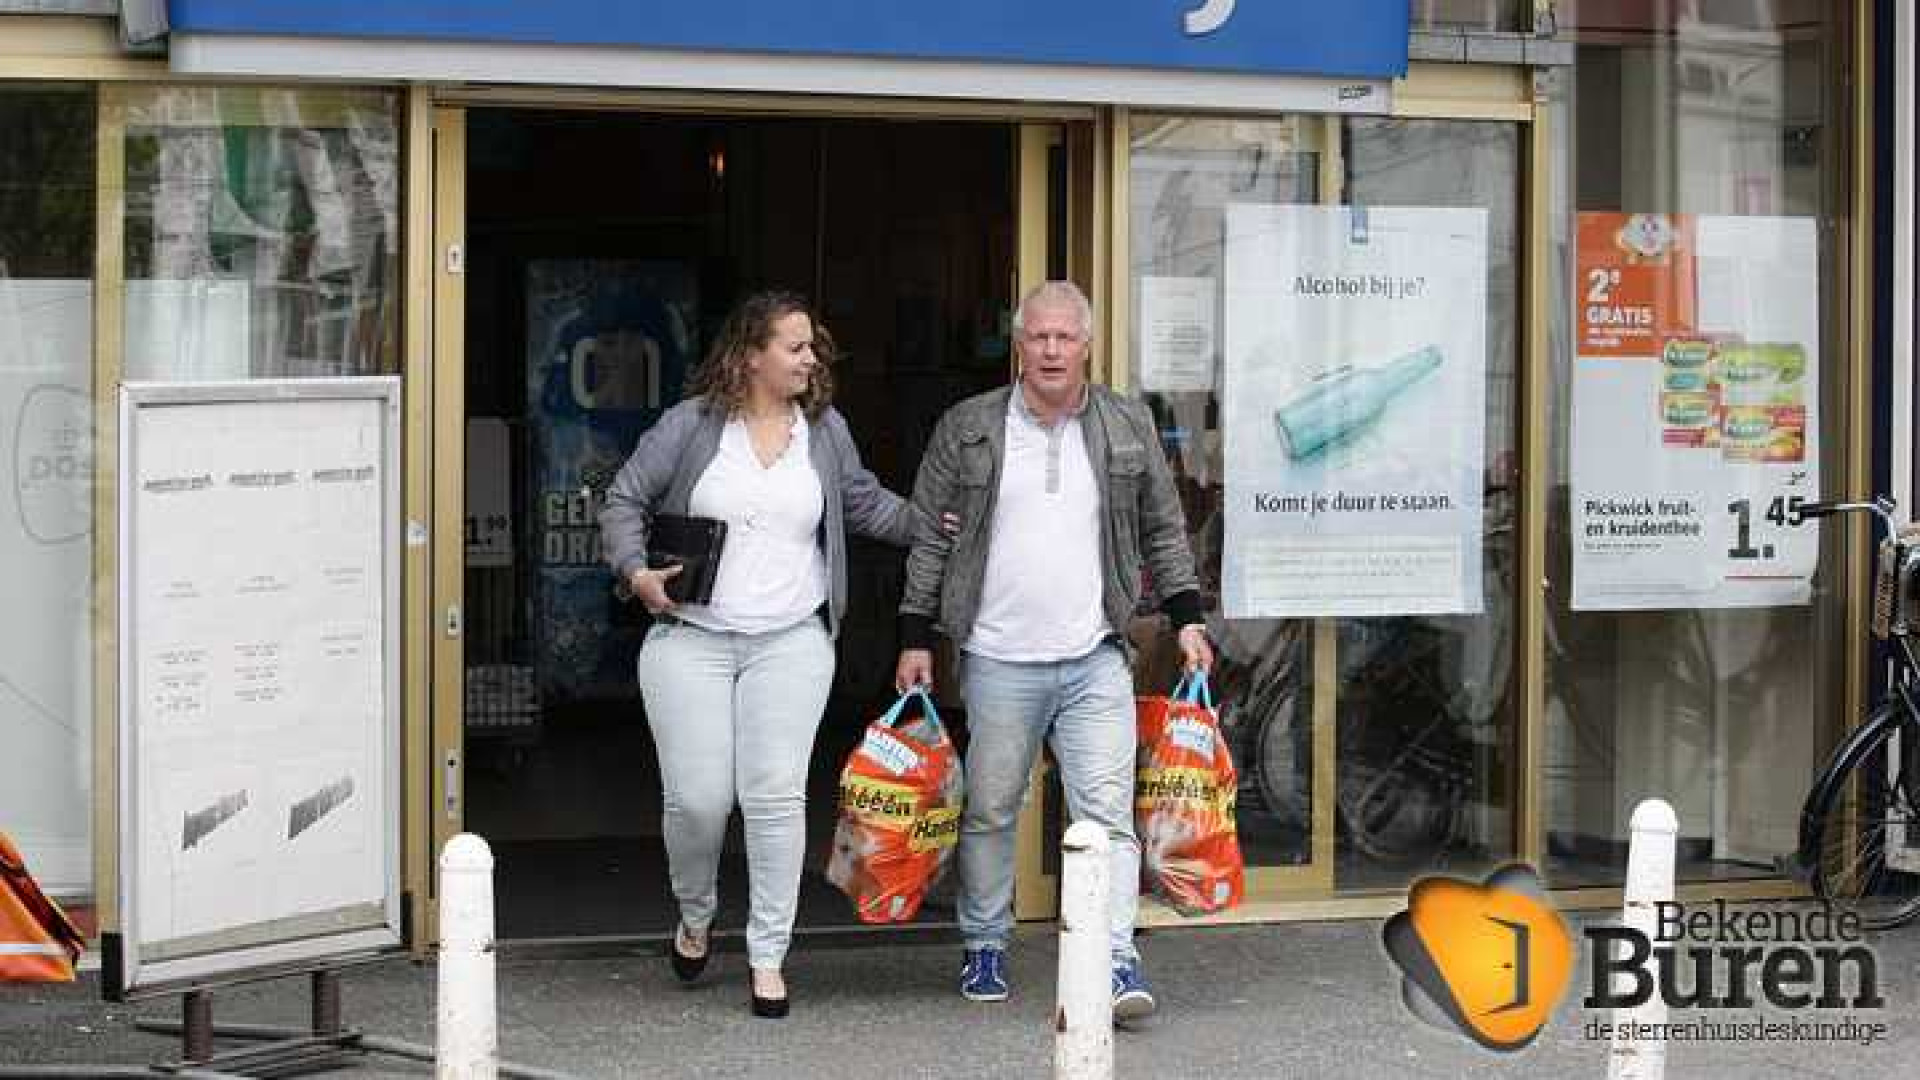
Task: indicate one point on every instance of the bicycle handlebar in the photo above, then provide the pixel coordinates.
(1881, 507)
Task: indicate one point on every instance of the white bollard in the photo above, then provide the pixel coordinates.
(1083, 1019)
(1649, 881)
(467, 1033)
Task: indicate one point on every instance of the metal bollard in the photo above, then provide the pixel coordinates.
(1649, 881)
(1083, 1019)
(466, 1031)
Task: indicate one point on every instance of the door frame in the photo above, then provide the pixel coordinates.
(436, 480)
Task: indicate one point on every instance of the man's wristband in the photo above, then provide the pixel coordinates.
(1185, 609)
(915, 631)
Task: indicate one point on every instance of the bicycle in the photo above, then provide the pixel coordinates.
(1860, 826)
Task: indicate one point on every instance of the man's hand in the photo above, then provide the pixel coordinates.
(1196, 653)
(914, 669)
(651, 587)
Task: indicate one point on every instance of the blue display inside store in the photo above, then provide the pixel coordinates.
(1354, 39)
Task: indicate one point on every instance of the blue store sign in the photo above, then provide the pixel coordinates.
(1351, 39)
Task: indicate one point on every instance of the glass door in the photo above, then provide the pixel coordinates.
(569, 311)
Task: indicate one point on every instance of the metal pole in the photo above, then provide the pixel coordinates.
(373, 1044)
(196, 1026)
(112, 1073)
(1083, 1020)
(326, 1003)
(467, 1031)
(1649, 882)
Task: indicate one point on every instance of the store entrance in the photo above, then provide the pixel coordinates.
(601, 252)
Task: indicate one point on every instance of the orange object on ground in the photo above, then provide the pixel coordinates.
(900, 796)
(37, 941)
(1183, 802)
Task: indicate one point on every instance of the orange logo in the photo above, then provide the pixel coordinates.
(1490, 960)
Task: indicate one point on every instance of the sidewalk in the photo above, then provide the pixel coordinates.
(1300, 1000)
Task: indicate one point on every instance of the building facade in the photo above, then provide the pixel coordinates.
(1620, 254)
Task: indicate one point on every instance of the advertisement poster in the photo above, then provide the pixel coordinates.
(1355, 410)
(1695, 411)
(489, 493)
(1176, 334)
(609, 344)
(46, 545)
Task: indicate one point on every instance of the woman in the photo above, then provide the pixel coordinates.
(735, 687)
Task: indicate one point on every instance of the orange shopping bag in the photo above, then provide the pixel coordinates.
(1183, 803)
(37, 942)
(899, 813)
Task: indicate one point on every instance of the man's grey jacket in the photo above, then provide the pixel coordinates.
(1140, 520)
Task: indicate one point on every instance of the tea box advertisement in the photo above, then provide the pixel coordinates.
(1695, 411)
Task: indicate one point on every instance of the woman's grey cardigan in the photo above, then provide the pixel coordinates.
(670, 457)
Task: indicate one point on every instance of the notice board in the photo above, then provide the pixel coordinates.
(259, 678)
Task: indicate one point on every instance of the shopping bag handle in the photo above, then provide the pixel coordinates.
(1193, 689)
(892, 716)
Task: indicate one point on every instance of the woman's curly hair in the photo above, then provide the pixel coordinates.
(722, 377)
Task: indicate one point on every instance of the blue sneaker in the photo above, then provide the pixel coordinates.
(1132, 998)
(983, 976)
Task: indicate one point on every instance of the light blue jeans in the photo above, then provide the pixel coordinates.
(1084, 709)
(733, 719)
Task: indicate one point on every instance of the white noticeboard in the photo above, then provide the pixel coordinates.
(259, 681)
(1355, 371)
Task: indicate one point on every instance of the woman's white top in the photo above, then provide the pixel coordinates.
(772, 572)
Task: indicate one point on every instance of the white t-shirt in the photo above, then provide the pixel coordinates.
(1041, 597)
(772, 572)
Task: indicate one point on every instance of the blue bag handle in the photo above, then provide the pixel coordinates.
(892, 716)
(1193, 689)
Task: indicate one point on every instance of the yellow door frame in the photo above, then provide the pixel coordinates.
(436, 379)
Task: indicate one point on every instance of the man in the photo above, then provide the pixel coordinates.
(1064, 497)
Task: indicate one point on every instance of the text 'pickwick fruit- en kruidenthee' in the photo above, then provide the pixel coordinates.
(899, 813)
(1184, 799)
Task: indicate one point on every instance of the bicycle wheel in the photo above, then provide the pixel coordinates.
(1863, 826)
(1397, 803)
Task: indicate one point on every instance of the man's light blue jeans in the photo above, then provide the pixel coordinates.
(733, 719)
(1084, 710)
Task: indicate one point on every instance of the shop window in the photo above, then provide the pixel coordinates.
(1324, 325)
(1694, 645)
(47, 206)
(262, 233)
(1495, 15)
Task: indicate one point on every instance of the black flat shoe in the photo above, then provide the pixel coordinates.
(687, 968)
(767, 1008)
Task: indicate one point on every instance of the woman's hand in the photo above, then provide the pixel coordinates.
(651, 587)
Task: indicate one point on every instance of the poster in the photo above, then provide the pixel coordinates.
(609, 344)
(46, 547)
(489, 527)
(1177, 334)
(1695, 411)
(1355, 410)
